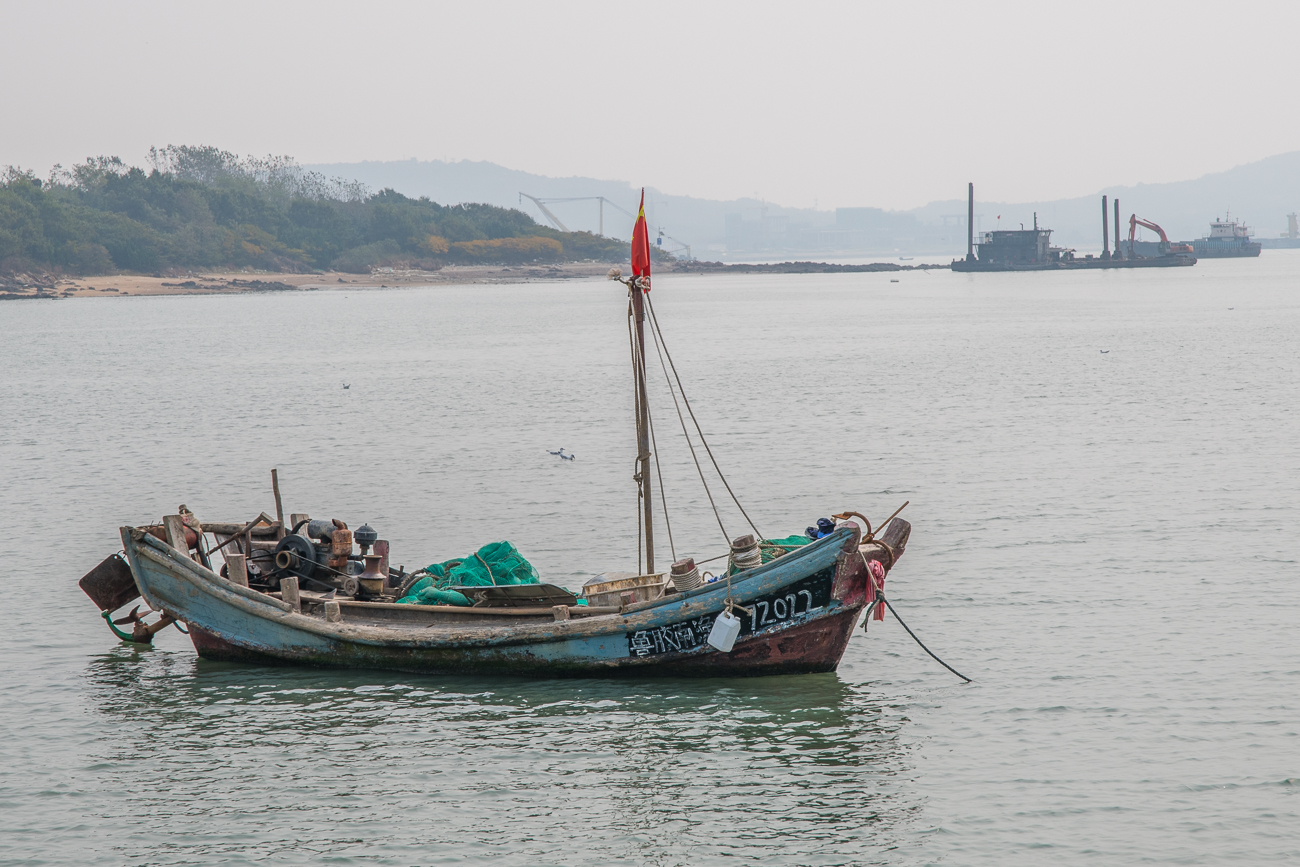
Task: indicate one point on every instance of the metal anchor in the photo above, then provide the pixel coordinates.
(141, 632)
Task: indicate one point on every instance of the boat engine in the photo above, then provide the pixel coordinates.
(323, 557)
(366, 537)
(296, 555)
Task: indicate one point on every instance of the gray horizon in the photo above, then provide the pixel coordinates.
(837, 105)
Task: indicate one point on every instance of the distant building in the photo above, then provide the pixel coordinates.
(854, 232)
(862, 218)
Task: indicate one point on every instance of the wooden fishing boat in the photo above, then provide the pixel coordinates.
(265, 592)
(800, 610)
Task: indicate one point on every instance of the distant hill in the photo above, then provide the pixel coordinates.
(698, 222)
(1260, 193)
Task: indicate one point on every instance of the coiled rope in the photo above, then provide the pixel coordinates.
(748, 558)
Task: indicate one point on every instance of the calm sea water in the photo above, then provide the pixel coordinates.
(1102, 471)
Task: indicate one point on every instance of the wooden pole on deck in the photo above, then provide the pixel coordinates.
(237, 569)
(279, 508)
(289, 591)
(175, 526)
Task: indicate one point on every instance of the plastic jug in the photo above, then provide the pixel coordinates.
(725, 631)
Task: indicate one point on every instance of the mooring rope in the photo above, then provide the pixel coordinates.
(880, 597)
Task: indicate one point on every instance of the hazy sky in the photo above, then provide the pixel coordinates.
(889, 104)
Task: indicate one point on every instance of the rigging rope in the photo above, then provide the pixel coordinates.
(654, 321)
(654, 447)
(663, 500)
(637, 476)
(660, 351)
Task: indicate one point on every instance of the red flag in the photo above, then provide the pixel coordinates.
(641, 245)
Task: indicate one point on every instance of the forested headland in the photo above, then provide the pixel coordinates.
(204, 208)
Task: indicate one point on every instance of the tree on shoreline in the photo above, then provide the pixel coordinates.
(201, 207)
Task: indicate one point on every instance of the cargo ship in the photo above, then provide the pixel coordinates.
(1227, 239)
(1032, 250)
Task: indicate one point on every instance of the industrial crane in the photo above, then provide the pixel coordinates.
(1165, 247)
(555, 221)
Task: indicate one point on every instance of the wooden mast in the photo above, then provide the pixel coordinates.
(643, 423)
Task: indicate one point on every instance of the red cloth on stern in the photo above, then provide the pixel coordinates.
(877, 586)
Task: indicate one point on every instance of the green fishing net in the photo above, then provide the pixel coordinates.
(496, 564)
(773, 548)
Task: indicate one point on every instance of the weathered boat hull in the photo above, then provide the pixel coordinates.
(803, 610)
(803, 649)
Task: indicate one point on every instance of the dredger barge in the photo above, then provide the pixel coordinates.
(1032, 250)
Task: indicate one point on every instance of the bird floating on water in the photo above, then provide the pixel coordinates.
(347, 385)
(561, 455)
(1103, 351)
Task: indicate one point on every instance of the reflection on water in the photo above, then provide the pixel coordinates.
(659, 772)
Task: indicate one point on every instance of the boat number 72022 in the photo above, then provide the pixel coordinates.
(798, 600)
(781, 607)
(801, 599)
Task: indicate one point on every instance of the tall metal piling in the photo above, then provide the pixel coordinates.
(1118, 253)
(970, 222)
(1105, 229)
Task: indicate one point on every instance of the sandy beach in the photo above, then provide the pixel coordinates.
(228, 282)
(215, 283)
